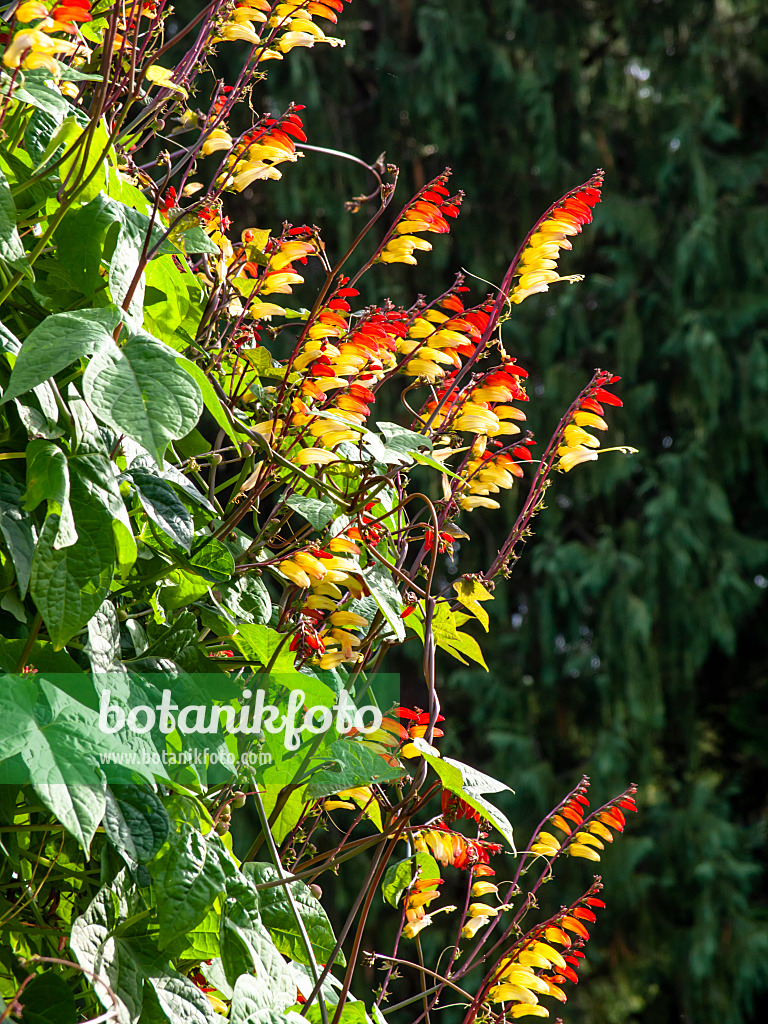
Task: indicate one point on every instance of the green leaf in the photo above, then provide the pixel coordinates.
(88, 160)
(48, 999)
(140, 391)
(210, 399)
(35, 92)
(9, 343)
(11, 249)
(276, 913)
(476, 782)
(453, 780)
(317, 513)
(450, 639)
(69, 585)
(62, 773)
(247, 598)
(254, 1002)
(163, 506)
(57, 342)
(259, 643)
(214, 562)
(17, 717)
(48, 480)
(135, 822)
(133, 973)
(356, 765)
(403, 440)
(353, 1012)
(187, 877)
(180, 999)
(95, 472)
(18, 530)
(386, 595)
(470, 592)
(399, 876)
(194, 240)
(246, 945)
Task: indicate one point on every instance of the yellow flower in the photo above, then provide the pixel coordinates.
(473, 926)
(400, 249)
(570, 457)
(294, 573)
(216, 140)
(348, 618)
(483, 888)
(482, 910)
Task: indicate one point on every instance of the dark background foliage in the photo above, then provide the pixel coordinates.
(630, 642)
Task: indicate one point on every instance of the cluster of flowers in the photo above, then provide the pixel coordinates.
(577, 444)
(536, 968)
(426, 212)
(324, 624)
(36, 47)
(537, 266)
(583, 840)
(284, 25)
(256, 154)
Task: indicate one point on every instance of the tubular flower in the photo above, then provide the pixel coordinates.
(537, 266)
(339, 365)
(417, 729)
(579, 445)
(427, 212)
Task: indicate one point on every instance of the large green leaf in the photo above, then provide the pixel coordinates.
(132, 972)
(136, 822)
(247, 946)
(384, 591)
(59, 757)
(48, 999)
(107, 230)
(211, 400)
(11, 248)
(317, 513)
(248, 598)
(277, 916)
(163, 506)
(450, 639)
(69, 585)
(48, 480)
(214, 562)
(17, 716)
(56, 343)
(18, 530)
(140, 391)
(260, 643)
(450, 774)
(356, 765)
(254, 1002)
(187, 877)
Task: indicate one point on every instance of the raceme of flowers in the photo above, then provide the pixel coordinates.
(583, 840)
(275, 29)
(426, 213)
(535, 968)
(578, 445)
(537, 266)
